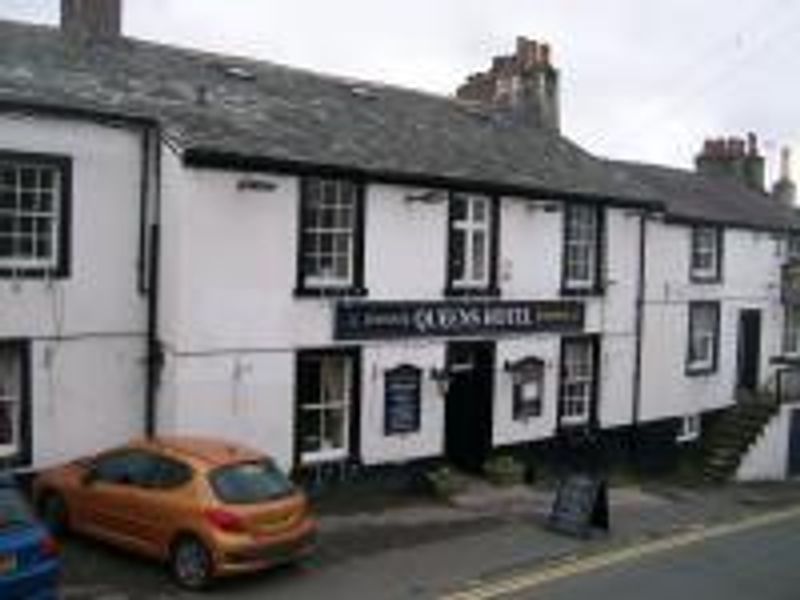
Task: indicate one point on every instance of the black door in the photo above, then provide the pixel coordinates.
(468, 408)
(794, 444)
(749, 350)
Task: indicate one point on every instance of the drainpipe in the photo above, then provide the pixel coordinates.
(638, 332)
(155, 355)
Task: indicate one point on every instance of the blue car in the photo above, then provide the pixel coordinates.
(29, 561)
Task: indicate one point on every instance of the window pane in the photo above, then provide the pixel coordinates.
(458, 240)
(333, 429)
(310, 430)
(479, 210)
(250, 483)
(479, 256)
(458, 208)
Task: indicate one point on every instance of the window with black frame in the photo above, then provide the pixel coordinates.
(331, 236)
(582, 248)
(34, 193)
(706, 254)
(325, 402)
(472, 242)
(703, 343)
(11, 398)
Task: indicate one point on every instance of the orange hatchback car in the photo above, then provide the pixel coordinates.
(207, 508)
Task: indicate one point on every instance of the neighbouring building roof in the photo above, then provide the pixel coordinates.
(217, 104)
(692, 196)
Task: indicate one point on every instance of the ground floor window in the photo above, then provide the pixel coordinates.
(703, 337)
(689, 429)
(578, 380)
(12, 398)
(326, 394)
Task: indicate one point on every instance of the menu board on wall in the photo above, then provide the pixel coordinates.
(402, 391)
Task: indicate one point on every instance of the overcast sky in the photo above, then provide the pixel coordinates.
(641, 79)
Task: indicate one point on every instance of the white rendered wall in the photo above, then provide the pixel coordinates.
(228, 275)
(767, 459)
(750, 281)
(88, 392)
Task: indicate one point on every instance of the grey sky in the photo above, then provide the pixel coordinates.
(640, 79)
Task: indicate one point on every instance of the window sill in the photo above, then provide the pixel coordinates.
(467, 292)
(596, 290)
(356, 292)
(700, 370)
(704, 279)
(33, 273)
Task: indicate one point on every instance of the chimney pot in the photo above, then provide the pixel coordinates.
(92, 19)
(544, 55)
(752, 144)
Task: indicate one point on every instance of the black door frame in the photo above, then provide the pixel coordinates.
(471, 450)
(748, 348)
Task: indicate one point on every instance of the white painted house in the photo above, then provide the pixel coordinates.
(346, 273)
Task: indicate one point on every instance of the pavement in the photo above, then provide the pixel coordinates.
(414, 547)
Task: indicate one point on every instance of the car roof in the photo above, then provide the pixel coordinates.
(211, 452)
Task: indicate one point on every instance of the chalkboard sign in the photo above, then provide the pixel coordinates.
(581, 503)
(402, 400)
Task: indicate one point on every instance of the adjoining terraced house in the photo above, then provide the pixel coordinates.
(349, 274)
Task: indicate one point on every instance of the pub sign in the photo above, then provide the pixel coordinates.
(385, 319)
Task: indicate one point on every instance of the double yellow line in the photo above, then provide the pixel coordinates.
(578, 566)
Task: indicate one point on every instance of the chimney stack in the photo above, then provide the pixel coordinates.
(785, 190)
(733, 157)
(524, 84)
(92, 19)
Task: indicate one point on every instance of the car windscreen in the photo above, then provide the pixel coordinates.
(13, 510)
(250, 483)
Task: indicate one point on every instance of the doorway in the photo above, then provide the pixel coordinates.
(468, 405)
(749, 349)
(794, 444)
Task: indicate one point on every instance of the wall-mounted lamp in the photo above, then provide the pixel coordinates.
(441, 378)
(548, 206)
(252, 184)
(427, 197)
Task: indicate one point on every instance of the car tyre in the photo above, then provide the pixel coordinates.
(191, 563)
(55, 513)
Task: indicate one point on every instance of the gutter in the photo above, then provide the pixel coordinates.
(208, 158)
(641, 286)
(155, 356)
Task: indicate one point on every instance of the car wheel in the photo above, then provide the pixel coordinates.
(191, 563)
(54, 512)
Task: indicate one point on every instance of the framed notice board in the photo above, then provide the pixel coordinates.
(402, 388)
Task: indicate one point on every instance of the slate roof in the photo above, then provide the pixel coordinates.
(286, 114)
(693, 196)
(241, 108)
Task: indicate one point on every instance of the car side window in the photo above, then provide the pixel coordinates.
(169, 474)
(123, 468)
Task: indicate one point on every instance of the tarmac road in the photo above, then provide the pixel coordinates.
(755, 559)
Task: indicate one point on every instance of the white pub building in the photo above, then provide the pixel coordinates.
(346, 274)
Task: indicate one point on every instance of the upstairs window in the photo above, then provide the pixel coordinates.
(472, 243)
(34, 194)
(331, 236)
(791, 330)
(582, 248)
(793, 246)
(703, 338)
(706, 254)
